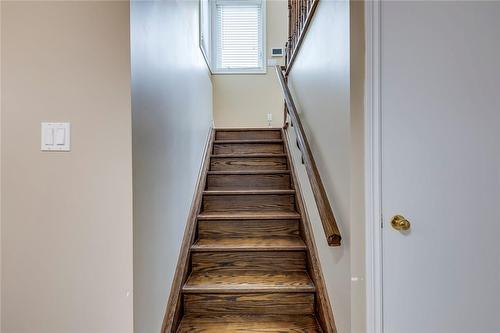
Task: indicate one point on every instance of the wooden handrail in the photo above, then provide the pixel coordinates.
(325, 210)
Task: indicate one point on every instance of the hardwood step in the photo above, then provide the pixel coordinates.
(249, 323)
(247, 228)
(263, 179)
(249, 172)
(249, 147)
(241, 201)
(249, 141)
(228, 162)
(249, 303)
(249, 244)
(207, 262)
(266, 215)
(226, 281)
(248, 134)
(247, 192)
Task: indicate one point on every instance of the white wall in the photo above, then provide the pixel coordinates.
(172, 114)
(245, 100)
(66, 216)
(321, 81)
(357, 228)
(0, 169)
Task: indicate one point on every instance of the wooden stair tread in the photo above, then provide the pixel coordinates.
(250, 244)
(249, 172)
(249, 323)
(265, 215)
(249, 147)
(249, 141)
(239, 162)
(246, 129)
(246, 192)
(247, 155)
(224, 281)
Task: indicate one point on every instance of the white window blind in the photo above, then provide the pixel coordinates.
(239, 36)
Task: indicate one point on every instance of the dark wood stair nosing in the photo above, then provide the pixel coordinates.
(253, 155)
(248, 192)
(221, 248)
(250, 290)
(250, 172)
(277, 216)
(238, 141)
(249, 129)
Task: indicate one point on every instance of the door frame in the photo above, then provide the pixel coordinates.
(373, 169)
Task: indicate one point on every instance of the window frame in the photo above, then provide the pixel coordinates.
(214, 39)
(206, 48)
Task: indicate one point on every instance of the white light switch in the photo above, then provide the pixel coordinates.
(49, 137)
(60, 136)
(55, 137)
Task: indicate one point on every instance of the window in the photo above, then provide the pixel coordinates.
(239, 36)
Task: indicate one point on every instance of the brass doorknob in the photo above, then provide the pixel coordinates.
(399, 222)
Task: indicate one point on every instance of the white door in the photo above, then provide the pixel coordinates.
(440, 106)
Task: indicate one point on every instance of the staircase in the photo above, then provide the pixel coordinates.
(249, 268)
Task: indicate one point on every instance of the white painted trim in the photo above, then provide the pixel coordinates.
(240, 71)
(207, 54)
(373, 155)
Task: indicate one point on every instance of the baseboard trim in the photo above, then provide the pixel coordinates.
(174, 306)
(324, 308)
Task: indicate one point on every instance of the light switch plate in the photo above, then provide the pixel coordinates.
(56, 137)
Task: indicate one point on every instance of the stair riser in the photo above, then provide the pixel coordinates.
(248, 148)
(209, 262)
(243, 182)
(247, 163)
(247, 135)
(255, 202)
(248, 228)
(253, 303)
